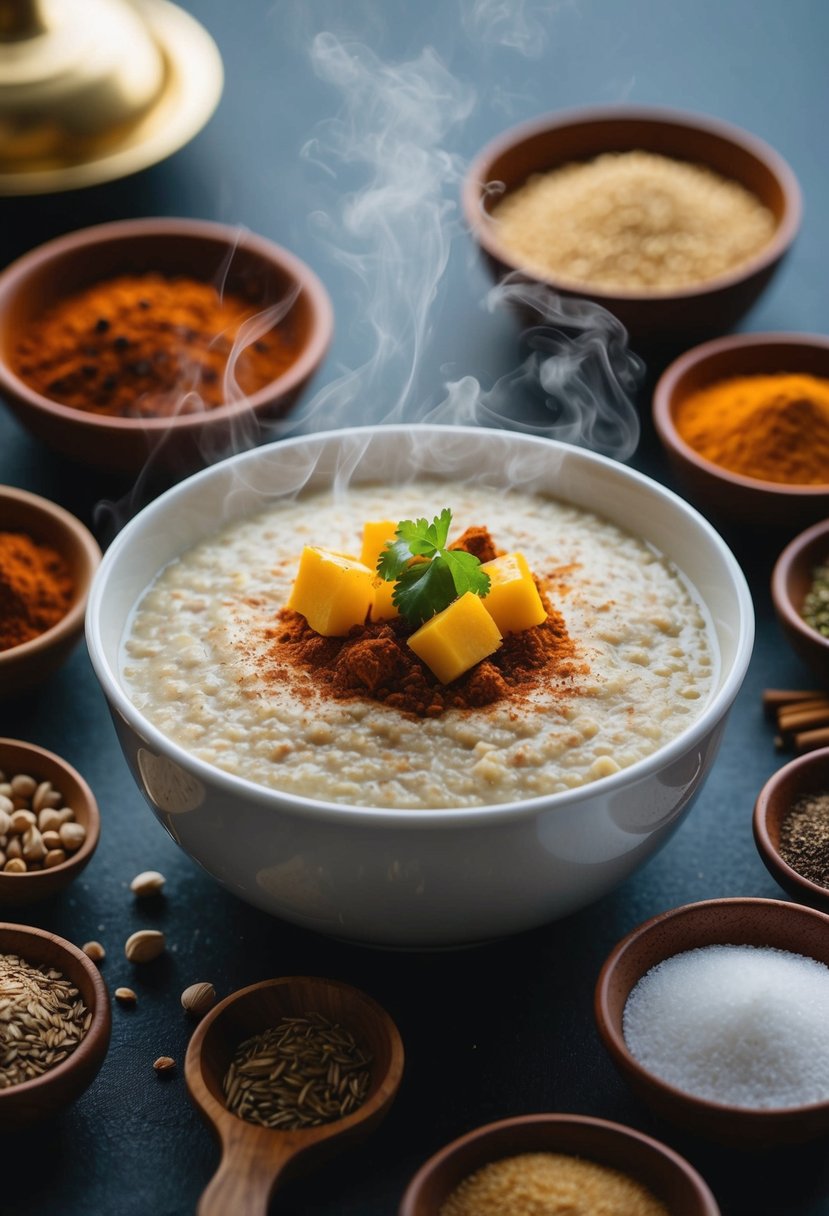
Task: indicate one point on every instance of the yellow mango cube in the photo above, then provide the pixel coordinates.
(456, 639)
(383, 609)
(375, 534)
(513, 601)
(331, 591)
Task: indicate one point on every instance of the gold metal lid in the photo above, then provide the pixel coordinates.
(94, 89)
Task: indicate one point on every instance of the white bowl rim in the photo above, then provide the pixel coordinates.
(427, 818)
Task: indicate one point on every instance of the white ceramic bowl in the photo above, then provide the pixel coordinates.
(418, 878)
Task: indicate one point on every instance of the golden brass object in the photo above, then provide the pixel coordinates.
(91, 90)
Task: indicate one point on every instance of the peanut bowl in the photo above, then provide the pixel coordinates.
(283, 295)
(364, 860)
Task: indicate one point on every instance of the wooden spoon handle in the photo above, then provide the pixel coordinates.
(245, 1179)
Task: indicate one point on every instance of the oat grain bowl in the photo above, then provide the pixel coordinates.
(351, 754)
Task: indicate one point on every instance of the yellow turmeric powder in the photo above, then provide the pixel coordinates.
(774, 428)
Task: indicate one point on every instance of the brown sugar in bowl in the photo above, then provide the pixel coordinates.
(17, 890)
(667, 1176)
(228, 257)
(30, 1101)
(726, 495)
(655, 321)
(27, 665)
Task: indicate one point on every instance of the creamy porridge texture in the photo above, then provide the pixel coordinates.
(196, 663)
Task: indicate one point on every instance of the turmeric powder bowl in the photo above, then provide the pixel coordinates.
(47, 559)
(158, 343)
(396, 875)
(744, 421)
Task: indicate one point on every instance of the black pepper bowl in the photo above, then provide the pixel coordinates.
(240, 262)
(658, 1168)
(750, 922)
(30, 1101)
(790, 582)
(656, 321)
(805, 777)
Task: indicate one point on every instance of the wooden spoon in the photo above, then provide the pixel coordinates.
(255, 1158)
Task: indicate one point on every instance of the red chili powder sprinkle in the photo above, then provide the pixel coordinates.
(375, 663)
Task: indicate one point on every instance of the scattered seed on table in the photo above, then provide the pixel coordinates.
(95, 951)
(126, 996)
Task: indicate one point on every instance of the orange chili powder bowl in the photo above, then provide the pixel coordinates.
(118, 382)
(47, 560)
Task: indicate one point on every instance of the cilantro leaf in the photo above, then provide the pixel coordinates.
(427, 575)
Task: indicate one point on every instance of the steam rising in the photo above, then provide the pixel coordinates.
(386, 160)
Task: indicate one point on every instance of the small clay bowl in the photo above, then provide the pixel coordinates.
(715, 490)
(46, 1095)
(790, 582)
(235, 261)
(752, 922)
(804, 776)
(672, 319)
(256, 1158)
(27, 665)
(663, 1172)
(17, 890)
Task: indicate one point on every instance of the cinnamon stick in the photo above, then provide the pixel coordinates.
(811, 740)
(812, 714)
(775, 698)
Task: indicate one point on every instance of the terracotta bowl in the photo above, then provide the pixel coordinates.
(790, 581)
(717, 491)
(261, 271)
(43, 1096)
(27, 665)
(668, 319)
(753, 922)
(18, 757)
(663, 1172)
(799, 778)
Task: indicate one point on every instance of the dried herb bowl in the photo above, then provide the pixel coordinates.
(654, 319)
(408, 877)
(30, 1101)
(29, 664)
(716, 922)
(667, 1176)
(264, 274)
(17, 757)
(790, 582)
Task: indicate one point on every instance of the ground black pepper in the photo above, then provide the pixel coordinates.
(804, 838)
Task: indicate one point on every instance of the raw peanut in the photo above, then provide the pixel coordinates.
(148, 882)
(144, 946)
(21, 821)
(33, 847)
(51, 840)
(95, 951)
(126, 996)
(15, 865)
(72, 835)
(55, 857)
(23, 786)
(49, 820)
(197, 999)
(164, 1064)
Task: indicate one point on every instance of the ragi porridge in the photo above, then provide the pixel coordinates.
(196, 660)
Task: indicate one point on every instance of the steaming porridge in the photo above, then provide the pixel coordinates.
(195, 660)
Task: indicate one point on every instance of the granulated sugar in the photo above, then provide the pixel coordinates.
(739, 1025)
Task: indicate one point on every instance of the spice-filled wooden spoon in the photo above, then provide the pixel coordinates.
(261, 1035)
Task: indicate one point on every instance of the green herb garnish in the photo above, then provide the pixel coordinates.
(439, 576)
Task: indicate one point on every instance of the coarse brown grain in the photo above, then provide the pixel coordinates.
(42, 1019)
(632, 221)
(804, 837)
(303, 1072)
(550, 1184)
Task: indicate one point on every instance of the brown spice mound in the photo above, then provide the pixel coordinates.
(148, 346)
(36, 588)
(375, 663)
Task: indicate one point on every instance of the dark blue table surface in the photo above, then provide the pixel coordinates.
(507, 1028)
